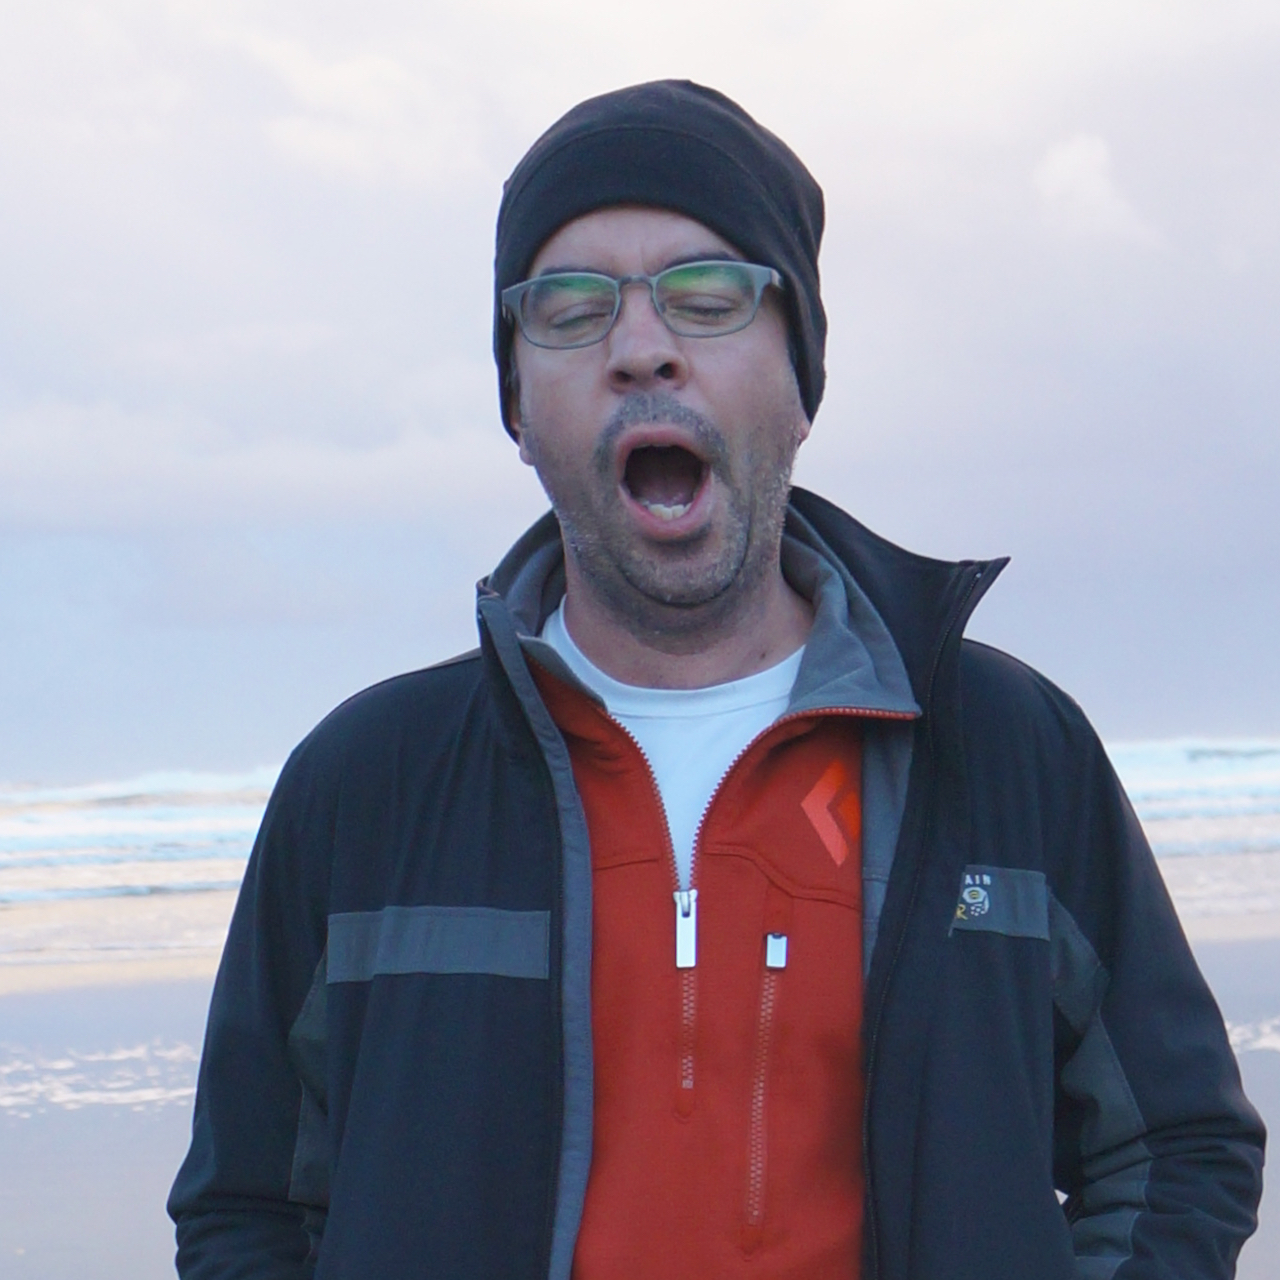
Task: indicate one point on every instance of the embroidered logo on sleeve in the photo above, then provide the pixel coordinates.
(834, 808)
(1008, 900)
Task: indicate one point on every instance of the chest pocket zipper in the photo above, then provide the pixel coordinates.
(775, 961)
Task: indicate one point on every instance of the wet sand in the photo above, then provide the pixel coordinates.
(97, 1084)
(102, 1008)
(115, 941)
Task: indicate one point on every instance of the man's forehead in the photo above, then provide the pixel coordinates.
(628, 238)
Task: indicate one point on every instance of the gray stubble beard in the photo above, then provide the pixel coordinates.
(672, 612)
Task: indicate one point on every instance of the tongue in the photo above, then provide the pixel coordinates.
(663, 476)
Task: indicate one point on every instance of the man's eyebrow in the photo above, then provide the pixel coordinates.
(567, 268)
(701, 255)
(713, 255)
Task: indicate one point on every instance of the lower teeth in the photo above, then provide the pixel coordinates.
(664, 512)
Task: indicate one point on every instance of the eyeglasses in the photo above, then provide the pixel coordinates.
(567, 309)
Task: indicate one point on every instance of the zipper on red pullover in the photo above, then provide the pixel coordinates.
(757, 1123)
(686, 963)
(686, 936)
(775, 961)
(686, 932)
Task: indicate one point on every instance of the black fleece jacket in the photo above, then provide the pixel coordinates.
(396, 1079)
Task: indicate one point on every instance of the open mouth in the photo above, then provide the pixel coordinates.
(664, 479)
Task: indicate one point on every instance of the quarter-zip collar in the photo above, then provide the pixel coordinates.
(850, 662)
(915, 604)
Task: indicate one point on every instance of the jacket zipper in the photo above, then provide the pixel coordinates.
(871, 1227)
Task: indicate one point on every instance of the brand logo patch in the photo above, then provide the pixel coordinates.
(834, 808)
(975, 896)
(1013, 901)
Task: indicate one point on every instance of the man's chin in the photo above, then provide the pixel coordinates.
(681, 575)
(676, 605)
(669, 587)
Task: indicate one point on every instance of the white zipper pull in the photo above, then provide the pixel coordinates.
(775, 951)
(686, 928)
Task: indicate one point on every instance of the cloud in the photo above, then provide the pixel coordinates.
(368, 116)
(226, 348)
(75, 467)
(226, 578)
(1078, 195)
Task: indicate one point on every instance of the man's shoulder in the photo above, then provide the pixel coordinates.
(1024, 736)
(420, 707)
(991, 675)
(406, 696)
(1008, 706)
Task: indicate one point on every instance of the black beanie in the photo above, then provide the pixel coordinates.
(671, 144)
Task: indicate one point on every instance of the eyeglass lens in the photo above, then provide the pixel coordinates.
(701, 299)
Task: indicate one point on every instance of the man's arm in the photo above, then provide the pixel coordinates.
(250, 1197)
(1155, 1142)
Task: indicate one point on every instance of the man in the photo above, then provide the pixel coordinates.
(723, 913)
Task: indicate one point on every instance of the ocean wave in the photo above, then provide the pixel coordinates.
(1190, 777)
(180, 831)
(155, 834)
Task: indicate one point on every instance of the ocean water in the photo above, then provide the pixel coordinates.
(182, 832)
(1204, 798)
(157, 834)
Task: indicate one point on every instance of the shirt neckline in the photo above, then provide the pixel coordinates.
(772, 684)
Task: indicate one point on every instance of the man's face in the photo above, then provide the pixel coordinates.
(667, 458)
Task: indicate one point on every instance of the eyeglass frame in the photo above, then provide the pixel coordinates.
(761, 278)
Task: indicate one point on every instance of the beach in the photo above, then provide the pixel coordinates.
(115, 899)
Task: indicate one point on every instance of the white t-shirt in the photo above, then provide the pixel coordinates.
(690, 737)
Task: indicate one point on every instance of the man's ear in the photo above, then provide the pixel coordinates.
(803, 429)
(793, 354)
(525, 456)
(515, 419)
(516, 423)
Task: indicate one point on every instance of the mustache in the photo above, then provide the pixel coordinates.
(661, 407)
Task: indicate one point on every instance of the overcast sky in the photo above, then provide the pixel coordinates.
(250, 456)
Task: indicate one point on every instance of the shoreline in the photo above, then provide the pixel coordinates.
(122, 941)
(128, 940)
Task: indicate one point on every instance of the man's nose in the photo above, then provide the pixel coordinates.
(643, 352)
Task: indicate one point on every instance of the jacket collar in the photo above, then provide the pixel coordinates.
(924, 603)
(882, 616)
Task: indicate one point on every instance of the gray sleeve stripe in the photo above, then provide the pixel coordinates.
(429, 939)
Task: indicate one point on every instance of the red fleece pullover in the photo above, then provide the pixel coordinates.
(728, 1094)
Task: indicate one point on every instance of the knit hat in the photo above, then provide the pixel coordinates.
(671, 144)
